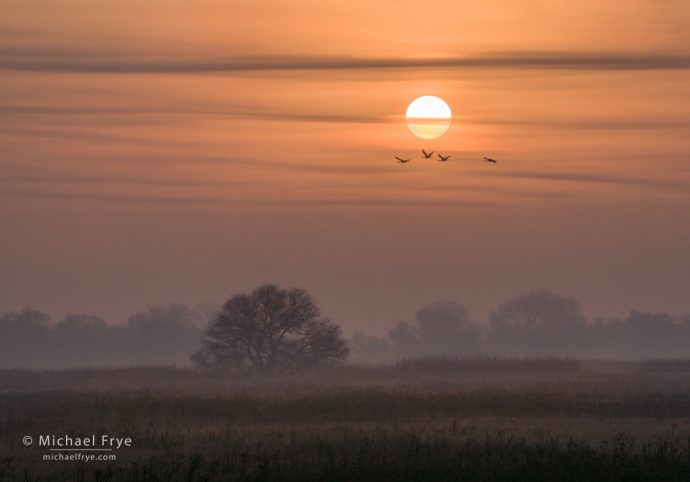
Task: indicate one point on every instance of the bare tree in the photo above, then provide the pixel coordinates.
(271, 330)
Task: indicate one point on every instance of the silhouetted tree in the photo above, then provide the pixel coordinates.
(441, 328)
(271, 330)
(538, 310)
(370, 349)
(641, 335)
(539, 322)
(80, 340)
(445, 328)
(23, 338)
(164, 332)
(404, 338)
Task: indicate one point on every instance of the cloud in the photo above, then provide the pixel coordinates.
(70, 110)
(493, 189)
(193, 110)
(210, 200)
(605, 123)
(88, 62)
(127, 180)
(675, 185)
(609, 123)
(68, 135)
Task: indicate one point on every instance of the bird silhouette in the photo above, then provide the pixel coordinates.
(441, 158)
(427, 155)
(488, 159)
(403, 161)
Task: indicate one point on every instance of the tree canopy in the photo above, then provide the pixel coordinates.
(271, 330)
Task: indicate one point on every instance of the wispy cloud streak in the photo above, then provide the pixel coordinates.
(610, 123)
(70, 61)
(210, 200)
(62, 179)
(675, 185)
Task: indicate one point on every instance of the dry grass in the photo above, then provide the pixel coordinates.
(434, 420)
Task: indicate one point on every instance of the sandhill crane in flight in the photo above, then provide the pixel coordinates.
(403, 161)
(441, 158)
(427, 155)
(488, 159)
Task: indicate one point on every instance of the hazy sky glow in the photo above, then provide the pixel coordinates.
(168, 150)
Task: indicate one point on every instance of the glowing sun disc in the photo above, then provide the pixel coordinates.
(428, 117)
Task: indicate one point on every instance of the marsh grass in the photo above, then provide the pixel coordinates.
(431, 420)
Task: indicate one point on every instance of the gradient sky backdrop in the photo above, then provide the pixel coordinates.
(167, 150)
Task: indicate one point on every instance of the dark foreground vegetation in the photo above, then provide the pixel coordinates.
(476, 419)
(377, 456)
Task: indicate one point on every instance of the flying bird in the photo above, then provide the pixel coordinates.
(488, 159)
(402, 160)
(441, 158)
(427, 155)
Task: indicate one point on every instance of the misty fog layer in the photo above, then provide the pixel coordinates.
(160, 335)
(536, 324)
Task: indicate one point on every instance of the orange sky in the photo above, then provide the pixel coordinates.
(168, 150)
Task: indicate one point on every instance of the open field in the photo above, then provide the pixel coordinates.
(464, 420)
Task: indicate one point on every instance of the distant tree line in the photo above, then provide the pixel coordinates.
(160, 335)
(539, 323)
(271, 329)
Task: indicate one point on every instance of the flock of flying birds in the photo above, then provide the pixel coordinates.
(427, 155)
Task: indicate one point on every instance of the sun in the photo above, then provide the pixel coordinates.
(428, 117)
